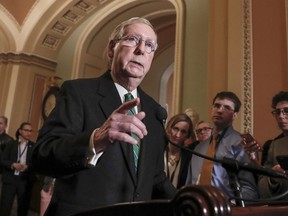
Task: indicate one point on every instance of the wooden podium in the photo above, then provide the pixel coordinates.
(190, 201)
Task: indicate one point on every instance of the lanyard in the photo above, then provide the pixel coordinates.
(21, 153)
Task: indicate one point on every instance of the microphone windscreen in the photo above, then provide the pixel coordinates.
(161, 114)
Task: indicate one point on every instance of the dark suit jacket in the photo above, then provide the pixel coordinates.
(266, 147)
(4, 140)
(62, 148)
(9, 156)
(184, 165)
(268, 186)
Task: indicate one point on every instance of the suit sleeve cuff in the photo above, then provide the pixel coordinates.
(92, 155)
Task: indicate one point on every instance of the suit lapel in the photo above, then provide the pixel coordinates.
(110, 102)
(144, 156)
(110, 97)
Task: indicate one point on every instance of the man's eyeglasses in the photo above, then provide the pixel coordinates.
(204, 129)
(135, 40)
(222, 107)
(278, 112)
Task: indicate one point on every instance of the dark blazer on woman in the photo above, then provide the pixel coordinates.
(62, 148)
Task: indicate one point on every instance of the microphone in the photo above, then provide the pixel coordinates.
(161, 115)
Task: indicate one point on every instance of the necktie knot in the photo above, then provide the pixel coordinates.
(128, 97)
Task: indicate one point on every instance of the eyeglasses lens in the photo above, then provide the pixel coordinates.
(278, 112)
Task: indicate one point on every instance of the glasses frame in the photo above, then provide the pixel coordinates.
(223, 107)
(204, 129)
(137, 39)
(278, 112)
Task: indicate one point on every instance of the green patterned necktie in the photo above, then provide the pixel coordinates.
(136, 147)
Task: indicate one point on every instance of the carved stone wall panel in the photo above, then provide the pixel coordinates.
(248, 68)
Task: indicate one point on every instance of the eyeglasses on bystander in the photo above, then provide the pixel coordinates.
(278, 112)
(204, 129)
(222, 107)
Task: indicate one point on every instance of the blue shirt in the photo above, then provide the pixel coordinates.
(229, 146)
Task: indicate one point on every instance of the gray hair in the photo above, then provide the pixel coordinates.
(119, 30)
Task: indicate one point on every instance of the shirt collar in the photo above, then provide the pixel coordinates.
(23, 143)
(122, 91)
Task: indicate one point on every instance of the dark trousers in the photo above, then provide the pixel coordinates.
(20, 188)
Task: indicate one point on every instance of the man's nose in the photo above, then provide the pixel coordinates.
(140, 48)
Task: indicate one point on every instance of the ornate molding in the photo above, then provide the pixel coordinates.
(248, 67)
(25, 58)
(72, 17)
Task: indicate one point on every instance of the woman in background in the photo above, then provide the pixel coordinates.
(179, 128)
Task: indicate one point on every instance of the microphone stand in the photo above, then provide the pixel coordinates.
(233, 179)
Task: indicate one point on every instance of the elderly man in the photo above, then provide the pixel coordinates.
(101, 149)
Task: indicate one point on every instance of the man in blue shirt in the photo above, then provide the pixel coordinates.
(224, 111)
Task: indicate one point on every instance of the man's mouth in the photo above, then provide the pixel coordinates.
(217, 117)
(137, 63)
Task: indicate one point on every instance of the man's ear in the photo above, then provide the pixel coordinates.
(235, 114)
(111, 49)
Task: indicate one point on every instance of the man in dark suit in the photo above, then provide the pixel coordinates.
(87, 141)
(18, 176)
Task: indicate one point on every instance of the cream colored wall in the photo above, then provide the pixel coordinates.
(195, 58)
(213, 54)
(20, 88)
(225, 54)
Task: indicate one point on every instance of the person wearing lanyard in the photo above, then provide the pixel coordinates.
(18, 176)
